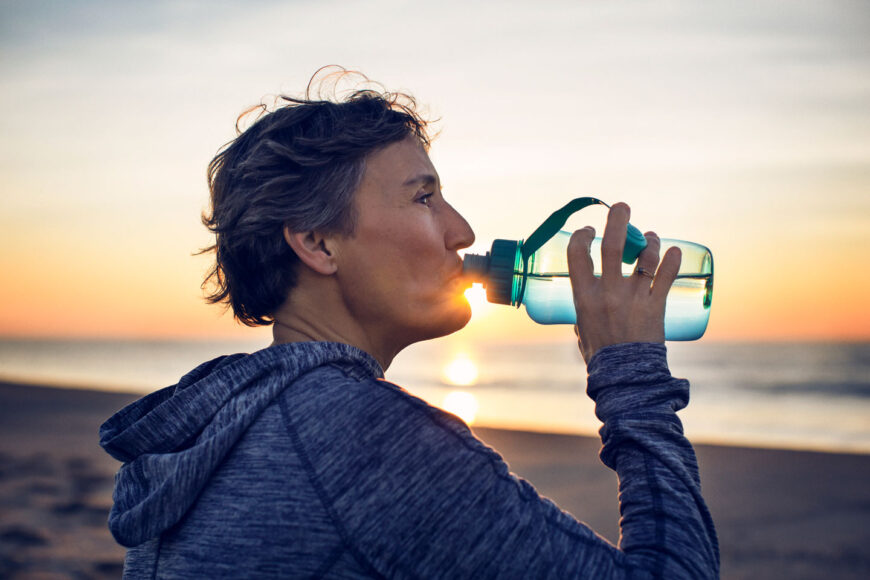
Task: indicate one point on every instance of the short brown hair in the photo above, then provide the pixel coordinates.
(298, 165)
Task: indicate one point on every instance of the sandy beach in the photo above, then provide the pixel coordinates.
(779, 514)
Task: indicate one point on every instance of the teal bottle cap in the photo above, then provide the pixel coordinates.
(634, 244)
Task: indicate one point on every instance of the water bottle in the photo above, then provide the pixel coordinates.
(534, 273)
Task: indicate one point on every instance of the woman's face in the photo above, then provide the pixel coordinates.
(399, 272)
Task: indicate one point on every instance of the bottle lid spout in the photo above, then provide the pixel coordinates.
(476, 267)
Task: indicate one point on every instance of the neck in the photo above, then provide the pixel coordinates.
(313, 316)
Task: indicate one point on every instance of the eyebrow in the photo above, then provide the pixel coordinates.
(423, 179)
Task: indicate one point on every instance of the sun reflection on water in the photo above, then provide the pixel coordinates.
(462, 404)
(461, 371)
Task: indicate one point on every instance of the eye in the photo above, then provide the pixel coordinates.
(426, 199)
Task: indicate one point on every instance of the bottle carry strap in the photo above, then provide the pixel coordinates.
(635, 242)
(554, 223)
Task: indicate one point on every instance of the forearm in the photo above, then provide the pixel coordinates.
(665, 523)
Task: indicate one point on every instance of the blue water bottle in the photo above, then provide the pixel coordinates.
(534, 273)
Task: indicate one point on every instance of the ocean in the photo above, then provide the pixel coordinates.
(782, 395)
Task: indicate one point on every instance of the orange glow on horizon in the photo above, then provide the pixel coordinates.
(35, 305)
(93, 287)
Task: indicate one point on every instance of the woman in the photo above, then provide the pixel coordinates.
(301, 461)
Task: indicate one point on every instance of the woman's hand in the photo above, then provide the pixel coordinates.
(614, 309)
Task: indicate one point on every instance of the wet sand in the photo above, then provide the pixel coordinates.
(779, 514)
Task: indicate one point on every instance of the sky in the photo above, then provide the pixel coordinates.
(744, 126)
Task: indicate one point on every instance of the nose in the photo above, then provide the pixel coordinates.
(458, 234)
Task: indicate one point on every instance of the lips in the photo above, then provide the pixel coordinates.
(458, 277)
(462, 282)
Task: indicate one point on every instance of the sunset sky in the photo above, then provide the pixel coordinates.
(744, 126)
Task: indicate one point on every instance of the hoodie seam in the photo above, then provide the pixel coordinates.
(157, 556)
(296, 441)
(330, 562)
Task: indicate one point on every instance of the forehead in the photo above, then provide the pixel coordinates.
(398, 166)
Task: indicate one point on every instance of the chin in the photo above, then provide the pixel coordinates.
(456, 320)
(446, 322)
(460, 319)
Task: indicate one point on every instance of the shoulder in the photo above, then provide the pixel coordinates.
(336, 396)
(332, 409)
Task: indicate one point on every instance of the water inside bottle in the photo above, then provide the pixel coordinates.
(687, 310)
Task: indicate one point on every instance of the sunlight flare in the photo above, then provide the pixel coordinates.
(476, 296)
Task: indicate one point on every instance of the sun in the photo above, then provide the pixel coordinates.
(476, 296)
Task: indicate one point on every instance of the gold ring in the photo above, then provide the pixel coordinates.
(643, 272)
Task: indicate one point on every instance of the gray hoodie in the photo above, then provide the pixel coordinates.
(300, 461)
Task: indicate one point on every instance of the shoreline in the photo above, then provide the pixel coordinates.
(131, 394)
(779, 513)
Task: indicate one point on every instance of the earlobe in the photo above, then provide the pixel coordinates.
(312, 249)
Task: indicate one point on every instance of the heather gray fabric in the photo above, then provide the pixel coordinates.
(299, 461)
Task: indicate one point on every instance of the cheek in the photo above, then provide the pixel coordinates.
(417, 256)
(407, 259)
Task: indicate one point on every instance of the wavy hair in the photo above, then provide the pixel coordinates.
(298, 165)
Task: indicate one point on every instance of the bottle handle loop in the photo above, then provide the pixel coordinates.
(634, 242)
(554, 223)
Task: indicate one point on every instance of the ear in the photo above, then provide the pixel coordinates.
(313, 249)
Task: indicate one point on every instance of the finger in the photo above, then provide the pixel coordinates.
(580, 268)
(613, 243)
(648, 260)
(667, 273)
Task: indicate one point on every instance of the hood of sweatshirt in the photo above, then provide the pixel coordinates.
(171, 441)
